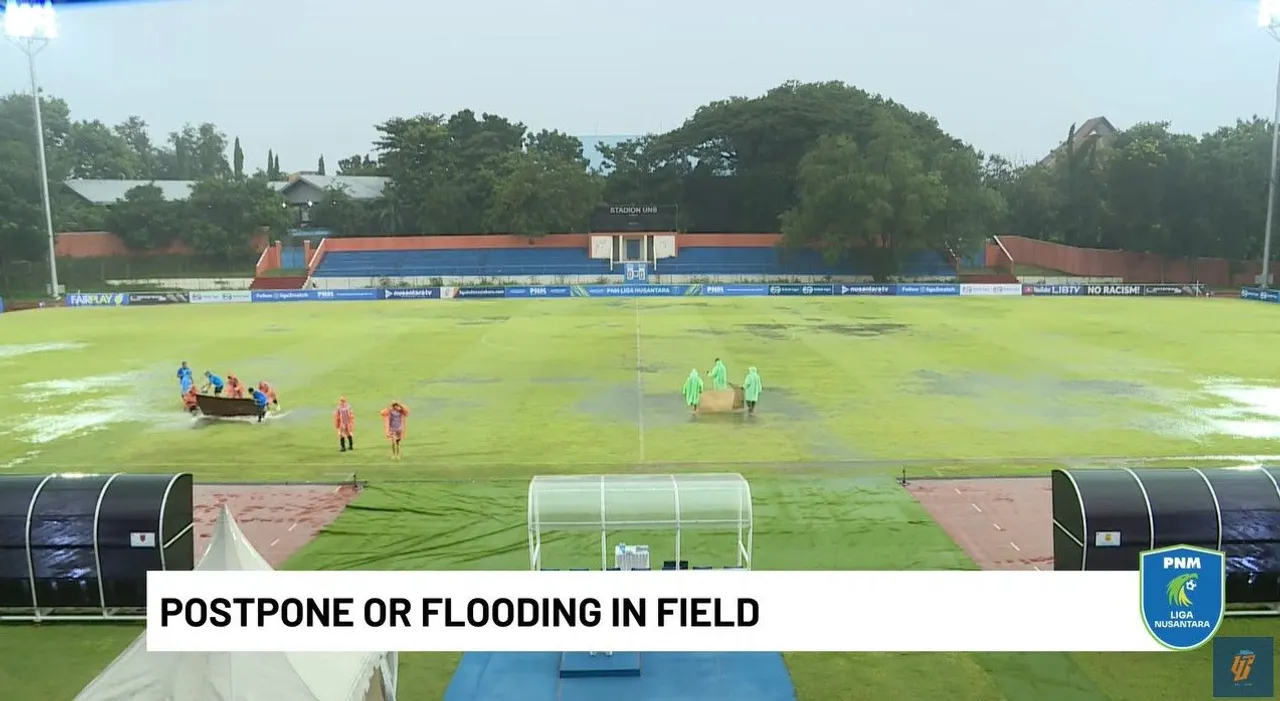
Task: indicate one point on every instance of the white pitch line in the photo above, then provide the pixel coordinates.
(1037, 569)
(998, 528)
(295, 525)
(957, 490)
(273, 543)
(1014, 546)
(976, 507)
(639, 385)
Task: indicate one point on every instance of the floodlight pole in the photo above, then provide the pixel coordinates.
(1272, 174)
(31, 46)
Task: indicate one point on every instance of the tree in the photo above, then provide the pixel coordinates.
(271, 172)
(444, 169)
(145, 220)
(237, 160)
(872, 202)
(358, 165)
(341, 214)
(545, 188)
(275, 168)
(226, 213)
(94, 150)
(320, 166)
(136, 135)
(733, 166)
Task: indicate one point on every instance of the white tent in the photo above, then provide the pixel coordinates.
(138, 675)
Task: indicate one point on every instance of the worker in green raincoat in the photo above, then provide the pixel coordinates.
(751, 390)
(693, 390)
(719, 375)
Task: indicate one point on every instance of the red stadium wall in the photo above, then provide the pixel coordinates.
(1129, 265)
(104, 244)
(473, 241)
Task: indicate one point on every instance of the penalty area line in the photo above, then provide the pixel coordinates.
(639, 385)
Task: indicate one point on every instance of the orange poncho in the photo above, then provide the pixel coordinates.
(268, 390)
(344, 419)
(388, 417)
(235, 389)
(189, 399)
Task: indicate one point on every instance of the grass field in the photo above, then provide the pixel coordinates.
(856, 390)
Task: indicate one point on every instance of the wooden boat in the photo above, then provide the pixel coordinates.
(226, 407)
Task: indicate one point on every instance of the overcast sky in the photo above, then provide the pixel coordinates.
(310, 78)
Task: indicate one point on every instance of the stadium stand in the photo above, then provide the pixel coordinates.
(483, 262)
(510, 262)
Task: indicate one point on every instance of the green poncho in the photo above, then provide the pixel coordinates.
(692, 388)
(719, 376)
(751, 386)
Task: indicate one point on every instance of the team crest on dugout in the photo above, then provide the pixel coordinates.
(1184, 594)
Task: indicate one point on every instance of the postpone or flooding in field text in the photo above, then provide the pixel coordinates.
(428, 612)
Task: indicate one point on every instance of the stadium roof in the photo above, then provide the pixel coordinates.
(109, 191)
(359, 187)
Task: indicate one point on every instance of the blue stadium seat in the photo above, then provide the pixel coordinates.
(499, 262)
(515, 262)
(700, 260)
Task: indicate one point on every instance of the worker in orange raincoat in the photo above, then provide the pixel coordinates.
(344, 421)
(189, 400)
(395, 419)
(235, 388)
(267, 389)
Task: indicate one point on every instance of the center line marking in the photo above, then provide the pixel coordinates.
(639, 385)
(976, 508)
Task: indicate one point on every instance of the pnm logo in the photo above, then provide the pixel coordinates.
(1183, 592)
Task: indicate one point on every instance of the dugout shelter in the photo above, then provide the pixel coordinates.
(616, 504)
(78, 547)
(139, 675)
(1104, 518)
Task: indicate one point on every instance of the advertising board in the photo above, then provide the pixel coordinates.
(314, 295)
(1113, 290)
(929, 290)
(735, 290)
(1052, 290)
(1173, 290)
(153, 298)
(472, 292)
(539, 291)
(867, 290)
(990, 290)
(632, 290)
(410, 293)
(790, 290)
(220, 297)
(97, 299)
